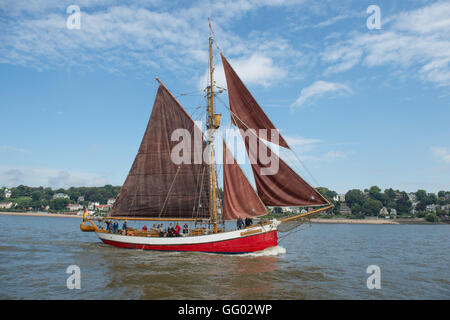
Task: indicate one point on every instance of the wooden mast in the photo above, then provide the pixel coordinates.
(211, 126)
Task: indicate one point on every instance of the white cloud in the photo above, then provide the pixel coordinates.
(335, 155)
(317, 89)
(415, 42)
(120, 34)
(256, 69)
(300, 141)
(13, 175)
(430, 19)
(442, 153)
(331, 21)
(301, 144)
(7, 149)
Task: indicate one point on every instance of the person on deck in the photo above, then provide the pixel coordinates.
(177, 230)
(115, 226)
(124, 227)
(161, 230)
(170, 230)
(144, 228)
(239, 223)
(108, 225)
(185, 230)
(248, 222)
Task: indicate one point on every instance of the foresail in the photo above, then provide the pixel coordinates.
(246, 109)
(155, 185)
(283, 187)
(239, 198)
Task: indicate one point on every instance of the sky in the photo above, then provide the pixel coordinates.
(361, 103)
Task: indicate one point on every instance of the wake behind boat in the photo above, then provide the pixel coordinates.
(170, 181)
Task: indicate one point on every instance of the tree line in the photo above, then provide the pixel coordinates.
(39, 198)
(364, 203)
(370, 201)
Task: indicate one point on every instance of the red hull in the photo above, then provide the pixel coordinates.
(239, 245)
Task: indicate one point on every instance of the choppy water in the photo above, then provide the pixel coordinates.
(320, 262)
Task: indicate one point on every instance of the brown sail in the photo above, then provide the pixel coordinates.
(282, 188)
(245, 107)
(155, 185)
(239, 198)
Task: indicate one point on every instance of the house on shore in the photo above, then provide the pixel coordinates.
(6, 205)
(74, 207)
(103, 207)
(384, 212)
(339, 198)
(92, 205)
(60, 196)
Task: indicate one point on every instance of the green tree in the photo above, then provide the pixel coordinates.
(421, 214)
(59, 204)
(390, 204)
(403, 205)
(372, 207)
(21, 191)
(23, 202)
(421, 206)
(356, 209)
(36, 195)
(432, 199)
(354, 196)
(390, 193)
(421, 195)
(374, 190)
(329, 194)
(431, 217)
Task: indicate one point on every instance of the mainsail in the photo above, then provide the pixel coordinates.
(239, 198)
(156, 186)
(245, 107)
(284, 187)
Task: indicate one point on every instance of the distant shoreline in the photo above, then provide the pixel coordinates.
(315, 220)
(353, 221)
(372, 221)
(40, 214)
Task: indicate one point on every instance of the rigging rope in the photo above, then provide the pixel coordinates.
(307, 225)
(168, 193)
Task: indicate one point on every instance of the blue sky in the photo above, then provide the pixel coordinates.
(360, 107)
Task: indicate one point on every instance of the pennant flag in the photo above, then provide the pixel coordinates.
(210, 28)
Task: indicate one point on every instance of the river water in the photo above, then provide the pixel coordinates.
(319, 261)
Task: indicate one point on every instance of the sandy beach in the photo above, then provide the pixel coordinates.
(354, 221)
(40, 214)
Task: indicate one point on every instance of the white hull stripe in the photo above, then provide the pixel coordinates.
(203, 239)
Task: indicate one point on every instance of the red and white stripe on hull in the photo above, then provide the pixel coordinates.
(238, 241)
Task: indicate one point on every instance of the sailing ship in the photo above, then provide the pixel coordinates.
(157, 189)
